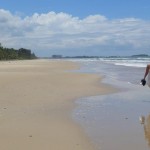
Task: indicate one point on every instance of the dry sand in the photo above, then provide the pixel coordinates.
(36, 100)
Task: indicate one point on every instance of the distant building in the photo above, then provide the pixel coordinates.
(56, 56)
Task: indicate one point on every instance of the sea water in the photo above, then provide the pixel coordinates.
(121, 120)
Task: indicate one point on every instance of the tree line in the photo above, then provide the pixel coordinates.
(11, 53)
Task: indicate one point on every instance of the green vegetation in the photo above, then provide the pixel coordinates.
(11, 54)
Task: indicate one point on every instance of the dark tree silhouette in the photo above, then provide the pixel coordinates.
(11, 53)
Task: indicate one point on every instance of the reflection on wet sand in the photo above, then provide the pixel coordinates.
(146, 124)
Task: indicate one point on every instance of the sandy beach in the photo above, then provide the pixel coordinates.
(36, 101)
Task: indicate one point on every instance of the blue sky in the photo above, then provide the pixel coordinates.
(73, 27)
(110, 8)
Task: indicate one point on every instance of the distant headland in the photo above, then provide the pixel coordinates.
(132, 56)
(140, 55)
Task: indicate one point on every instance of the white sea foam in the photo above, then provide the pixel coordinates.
(116, 68)
(130, 62)
(122, 61)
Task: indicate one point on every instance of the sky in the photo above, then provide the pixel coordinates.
(73, 27)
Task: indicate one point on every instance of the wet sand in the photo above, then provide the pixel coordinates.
(117, 121)
(36, 102)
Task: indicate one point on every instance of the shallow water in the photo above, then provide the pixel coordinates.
(117, 121)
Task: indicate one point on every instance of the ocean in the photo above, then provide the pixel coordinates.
(121, 120)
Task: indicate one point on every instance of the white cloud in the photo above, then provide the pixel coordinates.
(59, 31)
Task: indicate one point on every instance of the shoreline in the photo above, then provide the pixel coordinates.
(37, 98)
(124, 114)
